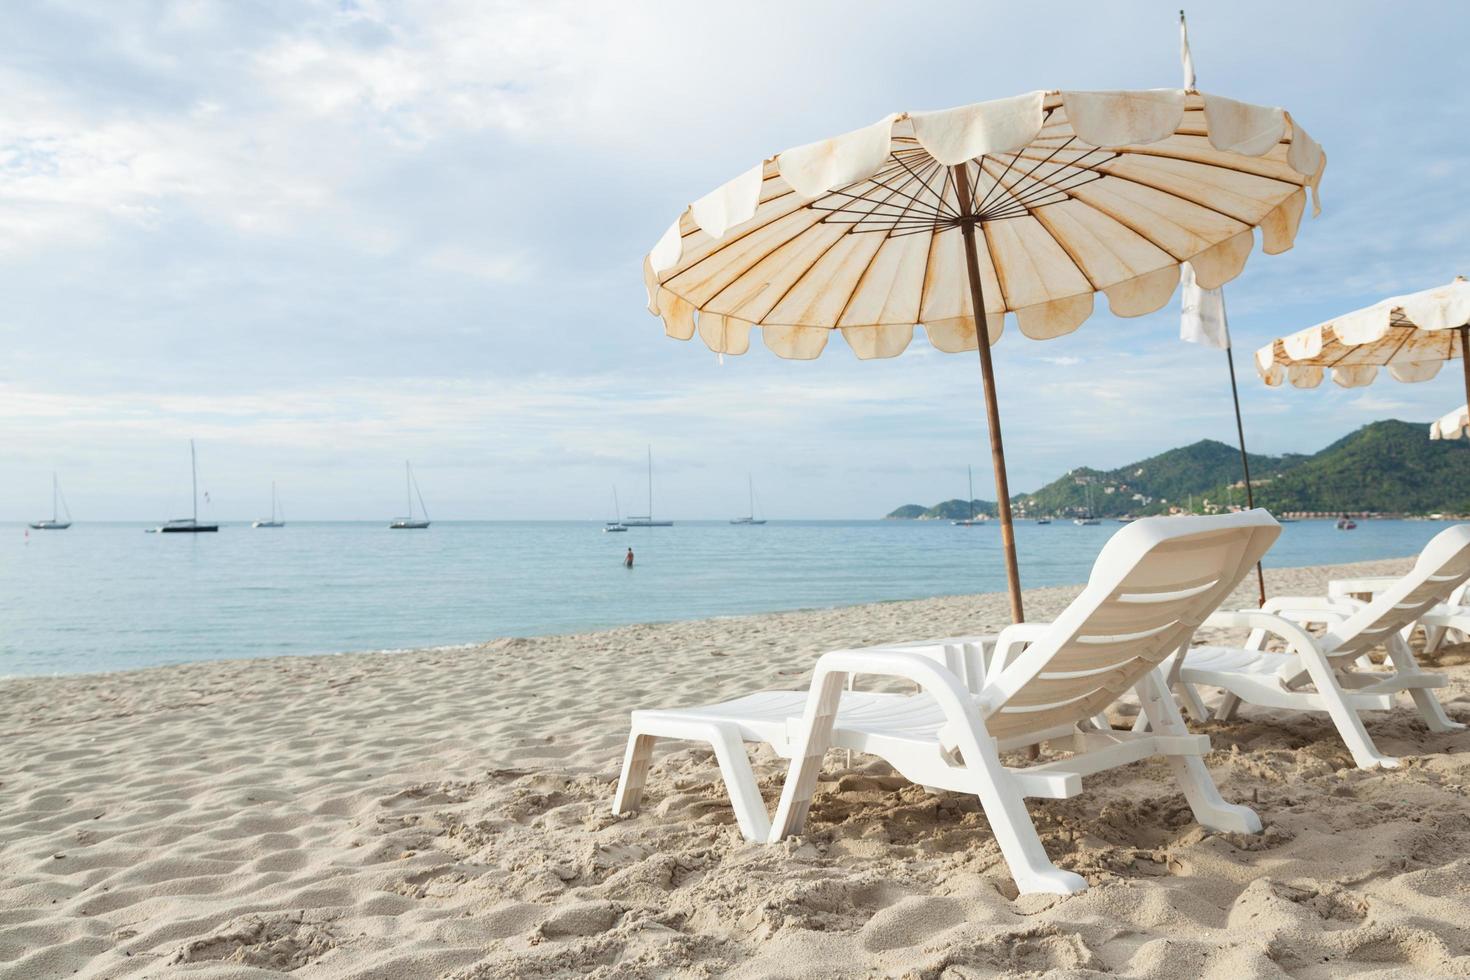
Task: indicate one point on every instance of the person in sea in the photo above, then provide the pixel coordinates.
(628, 559)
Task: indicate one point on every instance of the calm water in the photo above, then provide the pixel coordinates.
(109, 597)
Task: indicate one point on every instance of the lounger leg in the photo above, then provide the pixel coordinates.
(1432, 711)
(1402, 657)
(635, 773)
(806, 760)
(745, 795)
(1343, 715)
(1209, 807)
(1225, 710)
(1010, 822)
(1433, 637)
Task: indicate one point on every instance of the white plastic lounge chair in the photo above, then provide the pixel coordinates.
(1151, 586)
(1335, 665)
(1457, 614)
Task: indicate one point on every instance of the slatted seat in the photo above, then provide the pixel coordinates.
(1152, 585)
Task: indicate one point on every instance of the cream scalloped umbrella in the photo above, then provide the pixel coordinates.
(1451, 426)
(1412, 336)
(1029, 205)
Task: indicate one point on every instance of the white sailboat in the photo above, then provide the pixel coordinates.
(189, 525)
(750, 518)
(411, 489)
(647, 519)
(616, 524)
(56, 523)
(274, 521)
(1087, 520)
(971, 522)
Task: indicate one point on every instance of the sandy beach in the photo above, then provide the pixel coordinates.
(445, 813)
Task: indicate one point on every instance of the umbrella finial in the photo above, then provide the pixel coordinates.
(1185, 58)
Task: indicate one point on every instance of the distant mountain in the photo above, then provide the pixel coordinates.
(1388, 466)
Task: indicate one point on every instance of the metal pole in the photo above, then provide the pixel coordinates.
(1245, 464)
(968, 222)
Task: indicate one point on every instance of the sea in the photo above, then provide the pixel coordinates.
(107, 597)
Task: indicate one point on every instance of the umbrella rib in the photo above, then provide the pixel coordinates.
(1036, 197)
(1161, 153)
(843, 192)
(929, 259)
(794, 282)
(726, 243)
(1005, 301)
(1249, 223)
(858, 285)
(898, 218)
(1040, 163)
(1041, 188)
(943, 204)
(1061, 244)
(1133, 227)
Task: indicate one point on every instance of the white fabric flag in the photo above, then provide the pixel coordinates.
(1201, 312)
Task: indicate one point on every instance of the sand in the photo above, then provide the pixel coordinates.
(445, 813)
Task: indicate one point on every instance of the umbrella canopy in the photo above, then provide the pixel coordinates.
(1029, 205)
(1410, 335)
(1452, 426)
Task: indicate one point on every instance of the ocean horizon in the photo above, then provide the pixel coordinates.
(105, 596)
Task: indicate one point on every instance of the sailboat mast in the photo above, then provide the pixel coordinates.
(750, 484)
(970, 472)
(55, 492)
(424, 510)
(408, 488)
(273, 501)
(650, 484)
(194, 480)
(617, 507)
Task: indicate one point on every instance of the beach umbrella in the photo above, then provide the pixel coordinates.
(1451, 426)
(1028, 205)
(1412, 336)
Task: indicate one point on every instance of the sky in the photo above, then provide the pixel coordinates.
(320, 238)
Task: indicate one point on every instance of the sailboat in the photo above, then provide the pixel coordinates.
(55, 524)
(647, 520)
(971, 522)
(1087, 520)
(411, 488)
(273, 522)
(615, 525)
(749, 519)
(189, 525)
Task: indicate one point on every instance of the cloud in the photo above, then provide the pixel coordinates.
(320, 235)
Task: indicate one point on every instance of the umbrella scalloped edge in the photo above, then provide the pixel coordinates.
(1304, 357)
(964, 133)
(1452, 425)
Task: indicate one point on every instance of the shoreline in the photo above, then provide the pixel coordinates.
(1340, 570)
(446, 813)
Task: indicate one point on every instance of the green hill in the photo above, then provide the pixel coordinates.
(1388, 466)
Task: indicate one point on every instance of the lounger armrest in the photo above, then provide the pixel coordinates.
(930, 675)
(1013, 640)
(1345, 606)
(1253, 619)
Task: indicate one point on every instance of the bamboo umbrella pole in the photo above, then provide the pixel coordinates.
(968, 221)
(1465, 357)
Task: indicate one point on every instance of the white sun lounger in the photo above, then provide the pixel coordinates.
(1335, 665)
(1150, 588)
(1455, 613)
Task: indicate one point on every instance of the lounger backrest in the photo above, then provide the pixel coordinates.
(1443, 566)
(1150, 588)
